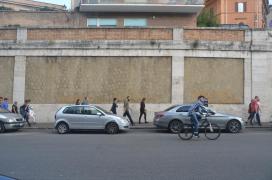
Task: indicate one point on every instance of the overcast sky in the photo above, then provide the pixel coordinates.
(68, 2)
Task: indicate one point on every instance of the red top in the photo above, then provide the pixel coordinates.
(254, 106)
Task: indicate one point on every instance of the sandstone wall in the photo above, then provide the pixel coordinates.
(6, 77)
(219, 79)
(60, 80)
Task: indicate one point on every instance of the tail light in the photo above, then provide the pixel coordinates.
(159, 115)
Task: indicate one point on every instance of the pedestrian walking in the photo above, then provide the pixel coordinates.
(114, 106)
(142, 111)
(85, 101)
(14, 108)
(78, 102)
(4, 104)
(126, 110)
(258, 117)
(253, 110)
(24, 111)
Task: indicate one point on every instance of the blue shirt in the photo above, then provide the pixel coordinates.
(196, 107)
(4, 105)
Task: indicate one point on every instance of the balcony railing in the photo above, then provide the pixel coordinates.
(147, 2)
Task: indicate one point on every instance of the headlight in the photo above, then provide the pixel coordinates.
(11, 120)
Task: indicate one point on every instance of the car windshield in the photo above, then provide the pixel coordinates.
(3, 111)
(170, 108)
(103, 110)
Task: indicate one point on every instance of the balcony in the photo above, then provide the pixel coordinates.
(158, 6)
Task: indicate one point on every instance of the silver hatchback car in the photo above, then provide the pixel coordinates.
(10, 121)
(88, 117)
(173, 117)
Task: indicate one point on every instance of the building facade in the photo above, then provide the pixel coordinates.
(247, 12)
(29, 5)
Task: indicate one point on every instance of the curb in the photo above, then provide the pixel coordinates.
(154, 127)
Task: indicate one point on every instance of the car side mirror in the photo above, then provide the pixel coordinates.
(99, 114)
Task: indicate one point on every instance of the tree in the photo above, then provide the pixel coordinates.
(207, 19)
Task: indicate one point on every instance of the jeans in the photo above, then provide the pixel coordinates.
(252, 115)
(195, 120)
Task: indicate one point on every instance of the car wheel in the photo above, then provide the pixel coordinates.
(2, 127)
(175, 126)
(112, 128)
(234, 126)
(62, 128)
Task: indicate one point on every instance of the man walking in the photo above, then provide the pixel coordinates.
(253, 109)
(85, 101)
(258, 118)
(14, 108)
(126, 110)
(142, 111)
(114, 106)
(4, 104)
(24, 111)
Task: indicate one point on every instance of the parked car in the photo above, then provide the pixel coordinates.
(10, 121)
(88, 117)
(173, 117)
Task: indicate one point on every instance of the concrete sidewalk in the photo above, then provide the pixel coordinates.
(137, 126)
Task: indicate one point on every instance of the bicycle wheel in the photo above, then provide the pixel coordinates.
(186, 132)
(212, 131)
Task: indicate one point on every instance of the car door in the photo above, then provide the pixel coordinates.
(93, 117)
(183, 113)
(74, 115)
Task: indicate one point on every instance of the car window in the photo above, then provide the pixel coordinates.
(73, 110)
(170, 108)
(103, 110)
(183, 109)
(90, 111)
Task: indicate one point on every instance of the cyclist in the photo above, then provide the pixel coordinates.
(194, 112)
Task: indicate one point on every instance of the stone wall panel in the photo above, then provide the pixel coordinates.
(61, 80)
(219, 79)
(6, 77)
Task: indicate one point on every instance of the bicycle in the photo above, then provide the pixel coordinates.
(212, 131)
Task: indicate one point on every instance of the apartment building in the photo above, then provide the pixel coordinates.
(248, 12)
(29, 5)
(139, 13)
(111, 13)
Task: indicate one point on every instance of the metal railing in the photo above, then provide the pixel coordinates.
(148, 2)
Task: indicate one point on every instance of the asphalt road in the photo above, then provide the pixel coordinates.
(135, 155)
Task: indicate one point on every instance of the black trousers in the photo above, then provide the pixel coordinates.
(126, 113)
(141, 114)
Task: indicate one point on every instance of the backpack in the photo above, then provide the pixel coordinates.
(22, 110)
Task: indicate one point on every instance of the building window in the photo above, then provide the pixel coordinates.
(240, 7)
(101, 22)
(135, 22)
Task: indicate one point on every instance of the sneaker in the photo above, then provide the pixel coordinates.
(196, 135)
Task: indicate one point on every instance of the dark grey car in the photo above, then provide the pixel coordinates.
(173, 117)
(10, 121)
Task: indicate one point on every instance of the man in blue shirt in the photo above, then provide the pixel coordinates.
(4, 104)
(194, 111)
